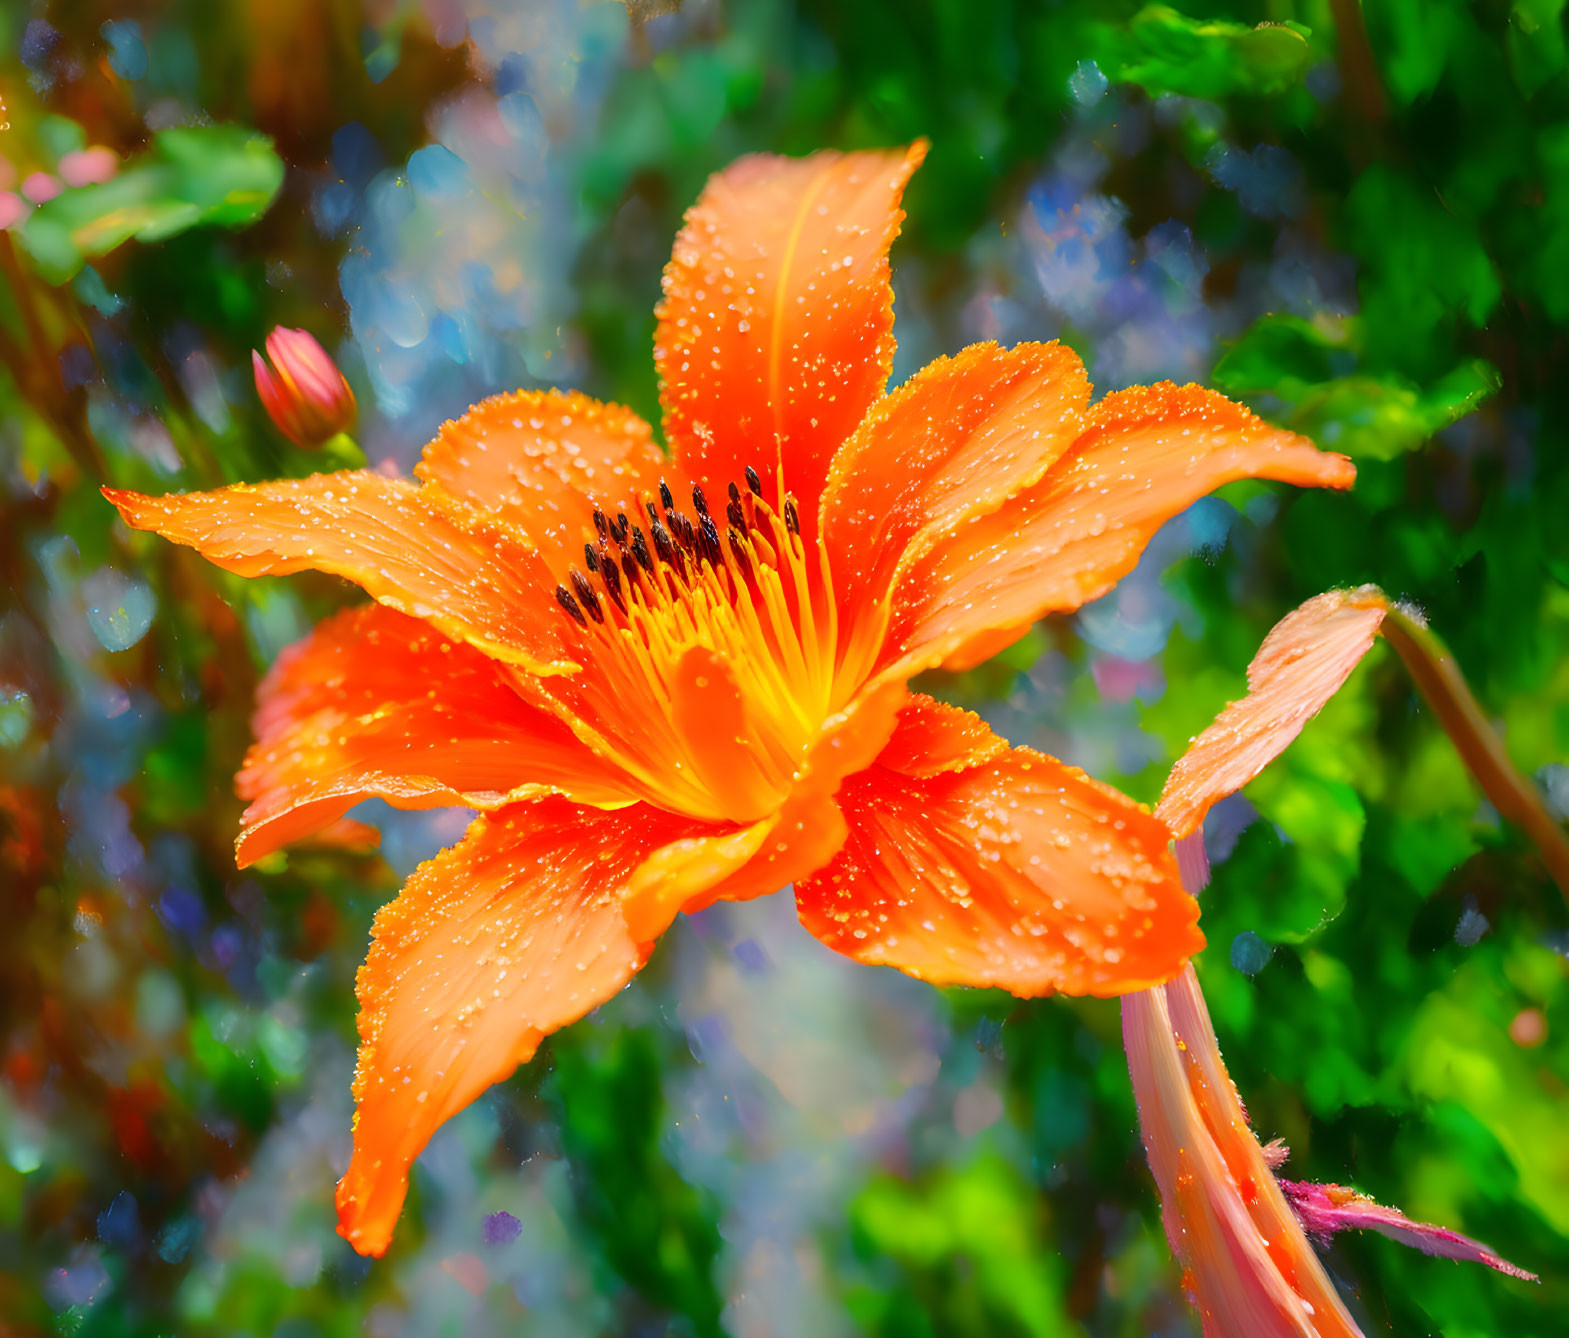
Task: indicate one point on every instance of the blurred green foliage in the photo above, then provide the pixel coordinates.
(172, 1030)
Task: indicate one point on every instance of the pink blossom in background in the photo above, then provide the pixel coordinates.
(89, 167)
(41, 187)
(13, 209)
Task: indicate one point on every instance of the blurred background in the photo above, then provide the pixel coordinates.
(1356, 218)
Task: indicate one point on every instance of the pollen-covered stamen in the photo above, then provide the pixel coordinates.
(601, 524)
(586, 595)
(750, 594)
(564, 598)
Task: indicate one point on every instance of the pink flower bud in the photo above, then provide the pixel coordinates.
(303, 391)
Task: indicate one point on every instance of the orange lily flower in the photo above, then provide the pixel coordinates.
(670, 681)
(1241, 1234)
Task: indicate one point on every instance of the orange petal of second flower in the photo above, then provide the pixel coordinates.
(1022, 873)
(776, 328)
(413, 550)
(1306, 657)
(512, 933)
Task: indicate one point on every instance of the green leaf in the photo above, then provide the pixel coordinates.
(1166, 52)
(1313, 367)
(218, 175)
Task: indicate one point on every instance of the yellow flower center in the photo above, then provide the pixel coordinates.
(739, 588)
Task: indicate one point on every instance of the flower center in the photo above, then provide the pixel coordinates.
(741, 588)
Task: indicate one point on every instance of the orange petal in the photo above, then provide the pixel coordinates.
(1023, 874)
(512, 933)
(409, 548)
(1306, 657)
(377, 704)
(955, 440)
(709, 715)
(934, 737)
(776, 328)
(1146, 455)
(543, 460)
(798, 839)
(1248, 1266)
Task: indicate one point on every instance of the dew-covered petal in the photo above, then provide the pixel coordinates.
(543, 460)
(1248, 1268)
(410, 548)
(375, 704)
(1145, 455)
(1325, 1210)
(933, 737)
(776, 327)
(797, 839)
(1305, 658)
(1022, 873)
(512, 933)
(955, 440)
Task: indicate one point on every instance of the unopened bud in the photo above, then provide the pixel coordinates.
(303, 391)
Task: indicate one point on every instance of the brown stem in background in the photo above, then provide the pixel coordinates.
(1359, 71)
(1439, 679)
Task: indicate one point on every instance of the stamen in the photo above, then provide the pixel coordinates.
(735, 514)
(739, 554)
(611, 575)
(753, 482)
(640, 551)
(653, 515)
(792, 516)
(699, 501)
(589, 557)
(709, 545)
(564, 598)
(601, 524)
(586, 595)
(621, 532)
(666, 496)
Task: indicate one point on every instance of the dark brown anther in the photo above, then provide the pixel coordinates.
(735, 492)
(664, 546)
(610, 574)
(586, 595)
(699, 501)
(753, 482)
(640, 551)
(564, 598)
(673, 523)
(622, 527)
(742, 562)
(688, 534)
(653, 515)
(629, 566)
(792, 516)
(666, 497)
(601, 524)
(708, 541)
(735, 513)
(589, 556)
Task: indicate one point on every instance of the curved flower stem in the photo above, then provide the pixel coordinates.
(1440, 681)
